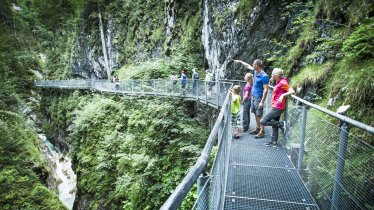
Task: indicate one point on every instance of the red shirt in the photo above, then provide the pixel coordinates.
(281, 87)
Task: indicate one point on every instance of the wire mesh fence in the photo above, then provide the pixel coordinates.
(212, 194)
(338, 178)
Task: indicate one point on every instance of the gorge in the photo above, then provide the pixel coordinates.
(120, 145)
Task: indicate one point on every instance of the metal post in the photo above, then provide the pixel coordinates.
(202, 200)
(302, 140)
(285, 119)
(206, 92)
(343, 142)
(218, 93)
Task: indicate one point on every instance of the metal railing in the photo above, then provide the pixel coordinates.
(212, 92)
(336, 164)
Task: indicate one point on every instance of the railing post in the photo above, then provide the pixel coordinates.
(285, 119)
(201, 192)
(218, 93)
(343, 142)
(302, 140)
(206, 92)
(154, 86)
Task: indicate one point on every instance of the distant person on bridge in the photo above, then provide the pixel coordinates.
(183, 81)
(259, 93)
(195, 77)
(116, 82)
(235, 108)
(246, 101)
(282, 89)
(208, 82)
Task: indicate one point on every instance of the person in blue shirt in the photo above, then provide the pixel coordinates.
(183, 81)
(259, 93)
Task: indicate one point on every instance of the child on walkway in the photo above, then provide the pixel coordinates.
(246, 101)
(235, 108)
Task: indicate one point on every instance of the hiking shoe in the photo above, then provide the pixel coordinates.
(260, 134)
(255, 131)
(271, 144)
(283, 126)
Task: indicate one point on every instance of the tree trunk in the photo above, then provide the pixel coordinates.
(106, 63)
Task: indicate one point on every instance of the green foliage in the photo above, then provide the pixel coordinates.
(302, 30)
(360, 44)
(20, 186)
(244, 9)
(158, 68)
(352, 84)
(345, 11)
(122, 147)
(312, 74)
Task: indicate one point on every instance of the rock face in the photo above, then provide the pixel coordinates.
(225, 37)
(87, 64)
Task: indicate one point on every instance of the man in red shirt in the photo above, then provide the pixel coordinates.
(281, 90)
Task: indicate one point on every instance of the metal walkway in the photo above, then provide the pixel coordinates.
(261, 177)
(245, 174)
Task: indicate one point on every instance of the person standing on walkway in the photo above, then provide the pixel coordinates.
(235, 108)
(282, 89)
(183, 81)
(246, 101)
(208, 82)
(195, 77)
(259, 93)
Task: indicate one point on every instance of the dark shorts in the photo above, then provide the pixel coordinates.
(234, 119)
(255, 108)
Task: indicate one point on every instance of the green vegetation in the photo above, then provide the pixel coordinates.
(22, 167)
(23, 171)
(244, 9)
(159, 68)
(333, 53)
(129, 152)
(312, 74)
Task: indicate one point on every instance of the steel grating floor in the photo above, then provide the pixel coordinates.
(263, 177)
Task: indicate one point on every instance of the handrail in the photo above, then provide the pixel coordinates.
(180, 192)
(343, 118)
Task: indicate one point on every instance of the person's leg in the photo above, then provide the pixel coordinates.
(272, 119)
(254, 108)
(246, 115)
(259, 114)
(233, 124)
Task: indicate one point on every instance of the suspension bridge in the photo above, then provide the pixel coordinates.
(324, 160)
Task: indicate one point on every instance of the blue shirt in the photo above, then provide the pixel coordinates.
(183, 79)
(260, 79)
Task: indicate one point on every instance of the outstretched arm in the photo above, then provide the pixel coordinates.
(246, 65)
